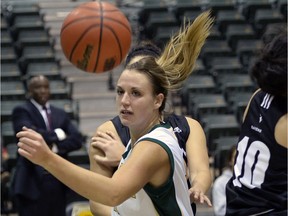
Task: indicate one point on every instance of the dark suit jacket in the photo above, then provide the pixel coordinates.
(28, 175)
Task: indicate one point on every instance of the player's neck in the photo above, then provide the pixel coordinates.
(135, 135)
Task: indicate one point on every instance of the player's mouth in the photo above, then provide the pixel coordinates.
(126, 112)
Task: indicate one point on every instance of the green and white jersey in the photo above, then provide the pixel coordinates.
(172, 198)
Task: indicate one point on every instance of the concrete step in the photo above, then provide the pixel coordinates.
(89, 124)
(96, 105)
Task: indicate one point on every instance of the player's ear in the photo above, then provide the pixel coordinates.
(159, 100)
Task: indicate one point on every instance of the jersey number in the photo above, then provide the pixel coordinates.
(251, 163)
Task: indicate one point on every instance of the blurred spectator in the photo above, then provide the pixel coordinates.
(37, 192)
(5, 178)
(219, 186)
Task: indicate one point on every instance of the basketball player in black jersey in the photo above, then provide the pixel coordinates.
(259, 182)
(112, 143)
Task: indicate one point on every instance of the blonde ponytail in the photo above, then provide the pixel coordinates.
(180, 54)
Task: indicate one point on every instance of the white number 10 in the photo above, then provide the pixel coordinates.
(251, 163)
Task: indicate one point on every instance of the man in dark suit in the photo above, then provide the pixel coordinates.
(36, 191)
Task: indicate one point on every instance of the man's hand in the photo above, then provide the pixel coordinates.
(111, 146)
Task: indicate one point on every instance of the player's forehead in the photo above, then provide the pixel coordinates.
(136, 59)
(132, 78)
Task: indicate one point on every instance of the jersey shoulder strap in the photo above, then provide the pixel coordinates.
(122, 130)
(180, 127)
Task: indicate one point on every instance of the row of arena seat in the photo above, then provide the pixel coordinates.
(159, 21)
(27, 50)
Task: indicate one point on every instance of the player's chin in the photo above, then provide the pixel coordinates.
(125, 119)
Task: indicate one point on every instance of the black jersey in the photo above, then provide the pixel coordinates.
(259, 182)
(178, 123)
(122, 130)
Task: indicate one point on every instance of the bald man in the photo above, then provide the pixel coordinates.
(36, 191)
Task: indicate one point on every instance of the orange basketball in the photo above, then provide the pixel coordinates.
(96, 36)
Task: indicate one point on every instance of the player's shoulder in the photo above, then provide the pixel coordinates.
(106, 126)
(281, 131)
(191, 121)
(172, 118)
(182, 120)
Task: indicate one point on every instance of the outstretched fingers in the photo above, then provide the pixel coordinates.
(199, 197)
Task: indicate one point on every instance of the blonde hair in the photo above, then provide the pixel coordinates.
(178, 58)
(180, 54)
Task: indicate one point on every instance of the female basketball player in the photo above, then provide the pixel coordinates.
(111, 137)
(150, 179)
(259, 182)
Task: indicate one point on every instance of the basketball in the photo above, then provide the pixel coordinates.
(96, 36)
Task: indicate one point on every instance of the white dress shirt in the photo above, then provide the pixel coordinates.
(61, 135)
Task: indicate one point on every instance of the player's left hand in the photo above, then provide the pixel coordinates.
(197, 196)
(111, 146)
